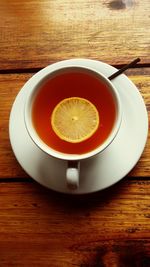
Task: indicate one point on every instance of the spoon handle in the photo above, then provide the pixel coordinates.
(118, 72)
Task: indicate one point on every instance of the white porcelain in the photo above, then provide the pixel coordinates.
(52, 71)
(66, 66)
(100, 171)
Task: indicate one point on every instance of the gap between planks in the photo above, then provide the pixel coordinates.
(34, 70)
(30, 180)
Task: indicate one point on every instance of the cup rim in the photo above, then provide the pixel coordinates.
(42, 77)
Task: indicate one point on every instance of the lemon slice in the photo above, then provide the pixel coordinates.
(75, 119)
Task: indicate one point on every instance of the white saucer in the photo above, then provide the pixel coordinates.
(104, 169)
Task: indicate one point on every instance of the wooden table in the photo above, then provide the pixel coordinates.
(39, 227)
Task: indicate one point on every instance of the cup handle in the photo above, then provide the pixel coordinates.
(72, 174)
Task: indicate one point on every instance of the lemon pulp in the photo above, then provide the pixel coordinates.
(75, 119)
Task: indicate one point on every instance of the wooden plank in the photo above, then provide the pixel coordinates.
(9, 88)
(10, 84)
(41, 228)
(37, 33)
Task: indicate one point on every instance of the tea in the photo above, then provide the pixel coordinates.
(73, 84)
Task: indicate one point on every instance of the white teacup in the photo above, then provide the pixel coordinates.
(73, 169)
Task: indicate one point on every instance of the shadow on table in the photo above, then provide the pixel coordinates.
(81, 202)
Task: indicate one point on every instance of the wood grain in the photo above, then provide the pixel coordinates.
(37, 33)
(10, 86)
(41, 228)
